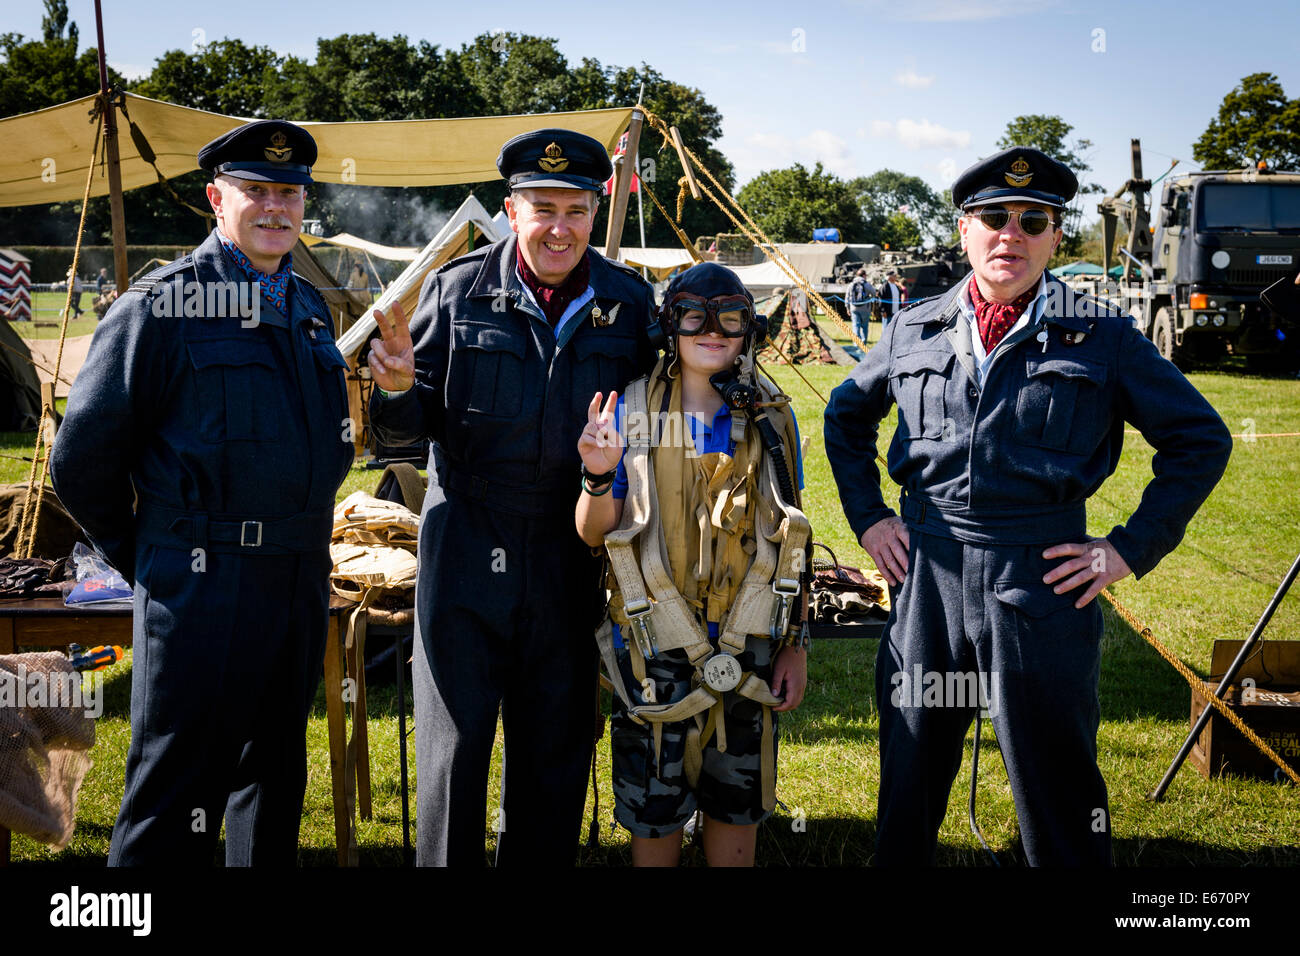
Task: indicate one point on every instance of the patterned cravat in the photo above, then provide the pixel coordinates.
(274, 287)
(996, 320)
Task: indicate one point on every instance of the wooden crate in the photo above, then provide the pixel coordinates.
(1271, 708)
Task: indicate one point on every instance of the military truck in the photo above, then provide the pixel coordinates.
(1193, 279)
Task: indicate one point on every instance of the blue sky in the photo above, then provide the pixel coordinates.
(923, 86)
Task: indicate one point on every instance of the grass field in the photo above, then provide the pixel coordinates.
(1213, 586)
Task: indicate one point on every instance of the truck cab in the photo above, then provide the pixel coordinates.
(1219, 239)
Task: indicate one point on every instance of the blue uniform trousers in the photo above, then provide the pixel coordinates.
(226, 664)
(510, 631)
(968, 615)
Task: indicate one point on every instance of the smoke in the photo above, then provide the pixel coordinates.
(393, 216)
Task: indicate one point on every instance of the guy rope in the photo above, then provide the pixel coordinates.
(40, 461)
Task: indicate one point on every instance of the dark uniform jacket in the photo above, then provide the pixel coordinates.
(182, 404)
(1015, 460)
(504, 401)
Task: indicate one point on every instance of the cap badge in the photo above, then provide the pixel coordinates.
(553, 161)
(1019, 175)
(277, 152)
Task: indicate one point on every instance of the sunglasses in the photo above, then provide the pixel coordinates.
(1033, 222)
(728, 315)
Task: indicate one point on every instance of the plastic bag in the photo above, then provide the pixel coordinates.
(98, 582)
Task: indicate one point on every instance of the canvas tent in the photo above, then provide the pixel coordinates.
(47, 151)
(658, 262)
(816, 261)
(1078, 268)
(469, 224)
(20, 389)
(378, 250)
(469, 228)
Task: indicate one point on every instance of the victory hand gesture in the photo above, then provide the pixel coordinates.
(600, 444)
(392, 360)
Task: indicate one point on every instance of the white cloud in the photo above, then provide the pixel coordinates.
(763, 151)
(921, 135)
(130, 71)
(948, 170)
(913, 81)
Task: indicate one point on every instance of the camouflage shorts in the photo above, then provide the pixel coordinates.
(655, 804)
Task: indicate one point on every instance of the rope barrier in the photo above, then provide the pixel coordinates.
(36, 483)
(1199, 686)
(1244, 436)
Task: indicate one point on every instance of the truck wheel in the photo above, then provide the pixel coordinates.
(1162, 334)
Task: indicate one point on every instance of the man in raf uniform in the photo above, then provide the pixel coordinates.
(213, 398)
(510, 344)
(1012, 395)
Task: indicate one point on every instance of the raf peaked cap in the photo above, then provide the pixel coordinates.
(555, 158)
(1017, 174)
(270, 151)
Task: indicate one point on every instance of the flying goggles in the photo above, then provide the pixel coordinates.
(731, 316)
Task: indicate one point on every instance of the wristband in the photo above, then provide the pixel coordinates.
(596, 494)
(596, 479)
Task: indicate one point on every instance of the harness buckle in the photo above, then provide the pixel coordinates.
(243, 534)
(638, 615)
(786, 590)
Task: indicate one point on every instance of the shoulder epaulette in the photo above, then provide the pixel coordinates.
(146, 283)
(625, 268)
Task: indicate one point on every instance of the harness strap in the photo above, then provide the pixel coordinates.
(667, 623)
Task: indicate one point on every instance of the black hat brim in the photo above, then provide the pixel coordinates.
(290, 173)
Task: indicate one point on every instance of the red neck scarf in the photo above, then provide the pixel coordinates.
(995, 320)
(555, 299)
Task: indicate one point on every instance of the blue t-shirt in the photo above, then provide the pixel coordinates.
(707, 439)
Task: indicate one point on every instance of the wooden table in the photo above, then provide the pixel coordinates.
(47, 622)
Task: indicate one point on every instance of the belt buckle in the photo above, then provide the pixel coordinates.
(722, 672)
(243, 535)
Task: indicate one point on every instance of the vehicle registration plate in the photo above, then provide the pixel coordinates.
(1272, 260)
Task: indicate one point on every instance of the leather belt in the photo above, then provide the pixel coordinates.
(169, 527)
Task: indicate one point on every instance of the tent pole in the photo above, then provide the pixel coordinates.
(622, 185)
(121, 275)
(640, 199)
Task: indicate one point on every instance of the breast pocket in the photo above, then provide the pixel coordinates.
(485, 370)
(234, 379)
(602, 361)
(919, 380)
(1061, 405)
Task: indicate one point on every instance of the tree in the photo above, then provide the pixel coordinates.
(1050, 134)
(900, 232)
(224, 76)
(1256, 122)
(39, 73)
(887, 194)
(789, 203)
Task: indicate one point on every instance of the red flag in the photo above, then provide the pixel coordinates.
(620, 150)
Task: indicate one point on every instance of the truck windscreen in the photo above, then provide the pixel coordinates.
(1258, 206)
